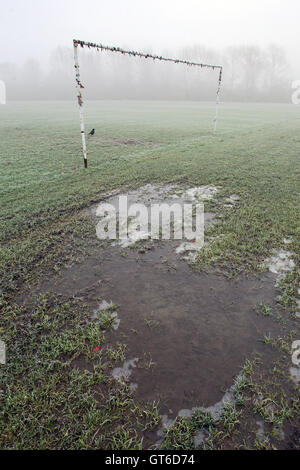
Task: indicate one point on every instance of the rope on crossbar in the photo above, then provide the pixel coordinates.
(101, 47)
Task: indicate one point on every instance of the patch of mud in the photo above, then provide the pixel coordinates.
(202, 328)
(195, 329)
(129, 142)
(133, 142)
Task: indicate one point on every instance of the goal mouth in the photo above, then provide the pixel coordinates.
(101, 47)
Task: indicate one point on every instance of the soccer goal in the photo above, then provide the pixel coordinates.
(100, 47)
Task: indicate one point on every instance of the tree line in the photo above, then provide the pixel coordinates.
(251, 73)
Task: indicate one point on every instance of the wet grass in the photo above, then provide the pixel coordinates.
(57, 389)
(255, 397)
(48, 398)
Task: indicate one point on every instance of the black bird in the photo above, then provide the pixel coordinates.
(92, 132)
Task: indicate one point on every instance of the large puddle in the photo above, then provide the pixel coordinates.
(187, 334)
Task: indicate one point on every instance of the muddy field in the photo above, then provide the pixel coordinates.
(151, 343)
(187, 333)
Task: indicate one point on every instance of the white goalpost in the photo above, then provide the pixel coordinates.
(101, 47)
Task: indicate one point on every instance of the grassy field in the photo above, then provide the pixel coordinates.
(46, 402)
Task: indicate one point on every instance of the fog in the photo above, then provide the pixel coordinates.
(254, 40)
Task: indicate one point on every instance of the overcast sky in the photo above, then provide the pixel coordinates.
(32, 28)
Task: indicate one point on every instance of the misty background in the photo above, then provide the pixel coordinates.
(254, 41)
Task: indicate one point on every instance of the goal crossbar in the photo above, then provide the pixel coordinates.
(101, 47)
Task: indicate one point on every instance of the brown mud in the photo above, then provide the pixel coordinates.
(191, 332)
(188, 334)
